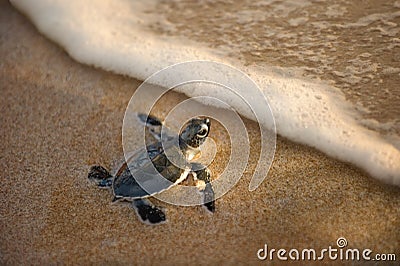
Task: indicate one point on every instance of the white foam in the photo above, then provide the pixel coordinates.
(111, 34)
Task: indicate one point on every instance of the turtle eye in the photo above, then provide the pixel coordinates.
(203, 132)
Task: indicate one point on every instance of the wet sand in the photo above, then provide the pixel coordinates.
(354, 46)
(59, 117)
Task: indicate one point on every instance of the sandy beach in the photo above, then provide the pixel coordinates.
(59, 117)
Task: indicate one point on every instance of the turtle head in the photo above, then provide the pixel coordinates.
(195, 132)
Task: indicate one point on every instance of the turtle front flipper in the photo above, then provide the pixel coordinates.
(209, 201)
(154, 126)
(202, 177)
(149, 120)
(100, 176)
(152, 123)
(147, 212)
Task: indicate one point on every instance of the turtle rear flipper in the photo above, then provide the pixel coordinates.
(148, 212)
(100, 176)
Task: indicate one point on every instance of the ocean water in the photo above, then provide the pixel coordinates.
(330, 70)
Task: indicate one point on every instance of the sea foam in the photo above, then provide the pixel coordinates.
(112, 34)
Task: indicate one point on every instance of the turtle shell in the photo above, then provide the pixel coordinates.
(145, 166)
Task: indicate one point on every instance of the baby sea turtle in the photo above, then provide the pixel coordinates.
(157, 157)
